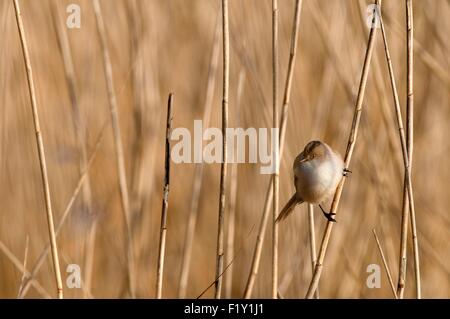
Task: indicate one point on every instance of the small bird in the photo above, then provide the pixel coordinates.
(317, 172)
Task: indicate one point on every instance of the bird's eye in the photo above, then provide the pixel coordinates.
(312, 156)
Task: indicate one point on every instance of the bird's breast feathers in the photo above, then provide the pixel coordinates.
(317, 180)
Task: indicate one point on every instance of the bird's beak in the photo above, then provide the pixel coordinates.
(304, 159)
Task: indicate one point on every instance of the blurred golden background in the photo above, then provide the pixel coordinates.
(163, 46)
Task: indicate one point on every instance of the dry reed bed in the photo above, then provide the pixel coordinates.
(168, 47)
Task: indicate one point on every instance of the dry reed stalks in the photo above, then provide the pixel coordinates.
(41, 152)
(41, 259)
(23, 269)
(312, 242)
(275, 175)
(284, 115)
(198, 170)
(223, 169)
(80, 133)
(408, 197)
(120, 158)
(233, 199)
(348, 155)
(165, 202)
(386, 267)
(410, 135)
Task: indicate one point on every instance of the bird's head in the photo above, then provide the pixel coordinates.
(312, 150)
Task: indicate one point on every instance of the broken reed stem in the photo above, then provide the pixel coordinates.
(386, 267)
(198, 170)
(22, 268)
(283, 121)
(312, 242)
(165, 202)
(408, 198)
(41, 259)
(223, 170)
(118, 146)
(41, 152)
(80, 133)
(410, 134)
(348, 155)
(275, 175)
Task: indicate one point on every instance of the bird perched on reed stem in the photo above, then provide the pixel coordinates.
(317, 172)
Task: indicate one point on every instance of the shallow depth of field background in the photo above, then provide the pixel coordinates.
(162, 46)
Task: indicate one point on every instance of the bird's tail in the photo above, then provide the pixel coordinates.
(288, 208)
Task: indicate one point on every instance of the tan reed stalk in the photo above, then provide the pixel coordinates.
(275, 175)
(80, 132)
(25, 259)
(41, 259)
(403, 258)
(23, 269)
(120, 158)
(284, 115)
(410, 134)
(41, 152)
(198, 170)
(223, 170)
(165, 202)
(386, 267)
(312, 242)
(407, 191)
(348, 155)
(233, 199)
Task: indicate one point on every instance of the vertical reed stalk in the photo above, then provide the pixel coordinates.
(312, 242)
(229, 256)
(403, 245)
(165, 202)
(269, 194)
(275, 175)
(410, 133)
(223, 171)
(408, 197)
(348, 155)
(41, 152)
(118, 146)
